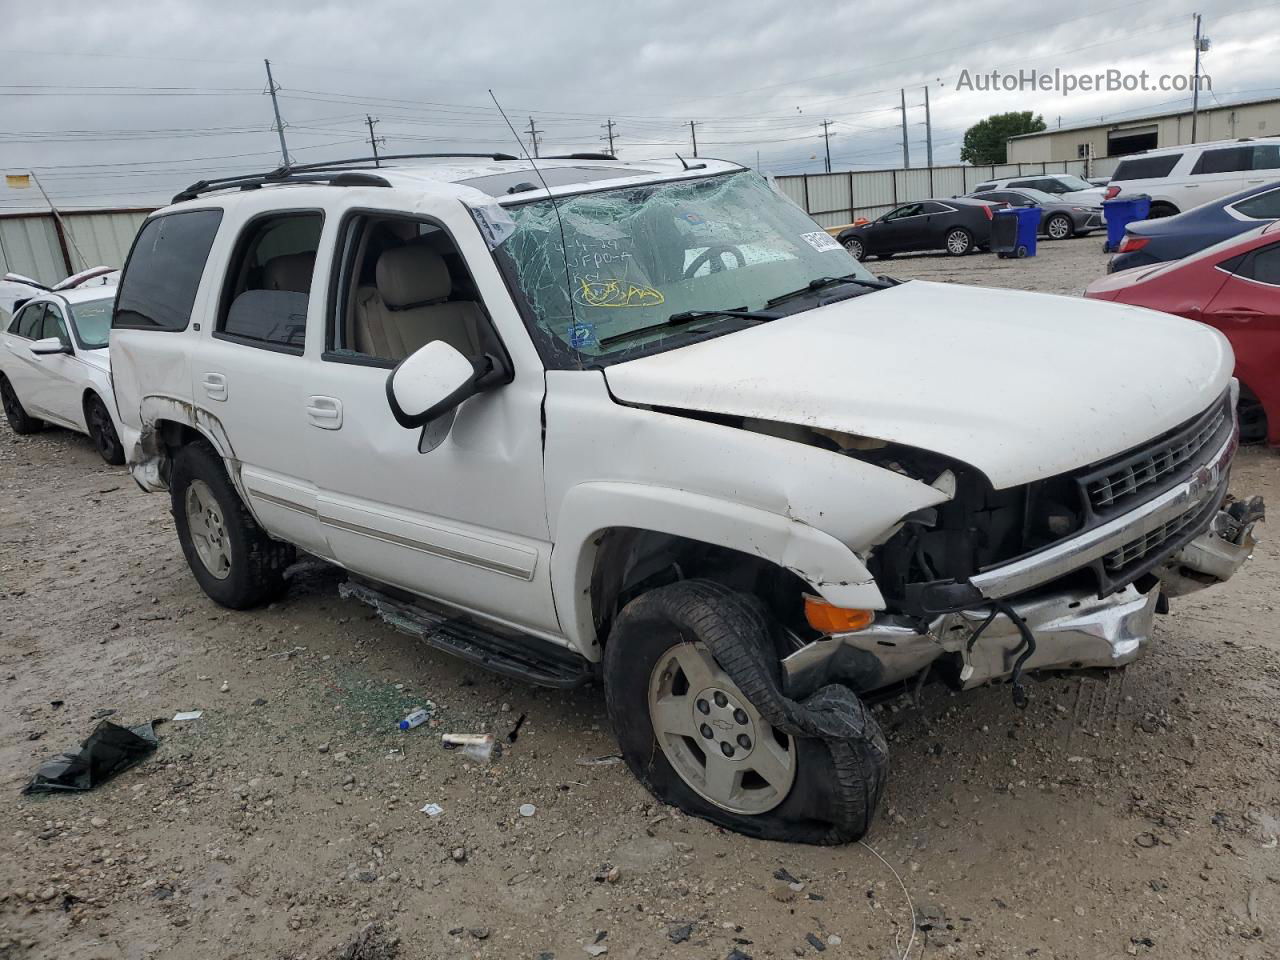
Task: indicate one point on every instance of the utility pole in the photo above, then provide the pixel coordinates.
(374, 141)
(608, 126)
(534, 133)
(1202, 44)
(826, 135)
(906, 151)
(275, 106)
(693, 132)
(928, 131)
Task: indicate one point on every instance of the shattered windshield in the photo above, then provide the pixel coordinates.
(636, 256)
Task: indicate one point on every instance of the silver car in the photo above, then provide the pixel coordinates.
(1059, 220)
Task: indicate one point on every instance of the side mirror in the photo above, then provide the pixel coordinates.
(50, 345)
(434, 380)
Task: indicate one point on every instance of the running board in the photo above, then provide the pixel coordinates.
(513, 654)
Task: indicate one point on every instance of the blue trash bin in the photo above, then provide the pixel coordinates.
(1014, 230)
(1121, 212)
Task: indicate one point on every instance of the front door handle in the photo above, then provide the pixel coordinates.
(215, 386)
(325, 412)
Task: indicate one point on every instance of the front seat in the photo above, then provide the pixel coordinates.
(409, 307)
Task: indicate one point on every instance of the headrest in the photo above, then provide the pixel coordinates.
(408, 276)
(292, 271)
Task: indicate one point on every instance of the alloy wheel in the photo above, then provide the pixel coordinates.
(713, 737)
(1059, 228)
(854, 247)
(957, 242)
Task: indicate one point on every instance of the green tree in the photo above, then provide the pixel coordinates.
(984, 142)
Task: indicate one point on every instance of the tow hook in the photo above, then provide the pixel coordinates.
(1240, 517)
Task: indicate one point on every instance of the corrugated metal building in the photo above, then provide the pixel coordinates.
(38, 245)
(1248, 118)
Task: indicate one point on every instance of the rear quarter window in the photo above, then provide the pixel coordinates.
(1146, 168)
(1228, 160)
(163, 273)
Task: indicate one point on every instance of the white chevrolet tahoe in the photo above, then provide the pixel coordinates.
(646, 422)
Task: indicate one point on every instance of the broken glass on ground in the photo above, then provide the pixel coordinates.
(109, 750)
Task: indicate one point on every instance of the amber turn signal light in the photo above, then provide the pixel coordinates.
(827, 618)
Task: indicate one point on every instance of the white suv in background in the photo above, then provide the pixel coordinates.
(647, 422)
(1179, 178)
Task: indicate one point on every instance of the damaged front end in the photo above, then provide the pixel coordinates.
(1061, 574)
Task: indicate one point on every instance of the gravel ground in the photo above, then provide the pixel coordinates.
(1132, 814)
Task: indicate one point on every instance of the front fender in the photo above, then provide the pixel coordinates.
(833, 570)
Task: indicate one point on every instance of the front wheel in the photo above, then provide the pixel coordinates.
(233, 559)
(19, 420)
(1059, 227)
(959, 241)
(855, 248)
(692, 684)
(103, 432)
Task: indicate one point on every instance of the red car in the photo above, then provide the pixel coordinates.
(1235, 287)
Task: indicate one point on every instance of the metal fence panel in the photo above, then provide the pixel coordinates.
(29, 246)
(835, 199)
(29, 243)
(104, 238)
(829, 192)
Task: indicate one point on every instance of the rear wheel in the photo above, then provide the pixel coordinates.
(855, 248)
(692, 683)
(18, 418)
(959, 241)
(233, 559)
(1161, 210)
(102, 431)
(1059, 227)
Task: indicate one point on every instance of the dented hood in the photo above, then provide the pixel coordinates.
(1020, 385)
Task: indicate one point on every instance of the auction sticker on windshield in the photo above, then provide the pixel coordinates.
(820, 240)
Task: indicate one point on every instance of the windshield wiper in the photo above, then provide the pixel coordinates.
(687, 316)
(821, 282)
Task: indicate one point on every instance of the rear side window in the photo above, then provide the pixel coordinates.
(1265, 206)
(163, 273)
(264, 302)
(1146, 168)
(1266, 156)
(1228, 160)
(1263, 266)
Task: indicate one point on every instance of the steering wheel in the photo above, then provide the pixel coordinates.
(718, 263)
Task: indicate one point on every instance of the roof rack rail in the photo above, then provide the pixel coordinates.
(312, 173)
(580, 156)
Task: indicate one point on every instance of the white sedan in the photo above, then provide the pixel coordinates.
(54, 367)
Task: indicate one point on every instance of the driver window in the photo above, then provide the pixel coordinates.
(54, 326)
(29, 320)
(403, 285)
(910, 210)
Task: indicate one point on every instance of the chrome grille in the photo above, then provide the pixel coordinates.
(1151, 541)
(1141, 474)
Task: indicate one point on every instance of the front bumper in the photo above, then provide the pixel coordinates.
(1074, 629)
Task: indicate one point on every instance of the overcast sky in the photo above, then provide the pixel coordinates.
(133, 100)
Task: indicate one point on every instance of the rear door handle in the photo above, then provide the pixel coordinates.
(325, 412)
(215, 386)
